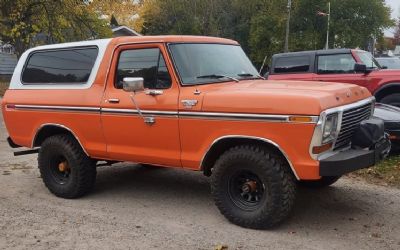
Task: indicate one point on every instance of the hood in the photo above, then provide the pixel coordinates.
(279, 97)
(385, 73)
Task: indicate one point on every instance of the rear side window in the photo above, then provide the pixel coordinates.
(336, 64)
(295, 64)
(146, 63)
(64, 66)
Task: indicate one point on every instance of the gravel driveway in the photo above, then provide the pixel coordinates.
(133, 207)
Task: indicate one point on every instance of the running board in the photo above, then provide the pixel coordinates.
(26, 152)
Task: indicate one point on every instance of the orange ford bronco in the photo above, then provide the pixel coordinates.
(193, 103)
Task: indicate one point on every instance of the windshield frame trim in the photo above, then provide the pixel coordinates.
(203, 83)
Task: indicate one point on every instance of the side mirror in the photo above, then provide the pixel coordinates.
(360, 68)
(133, 84)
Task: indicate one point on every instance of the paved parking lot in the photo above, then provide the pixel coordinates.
(143, 208)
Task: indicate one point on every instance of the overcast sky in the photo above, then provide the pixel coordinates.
(395, 5)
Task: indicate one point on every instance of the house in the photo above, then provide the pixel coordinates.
(8, 59)
(123, 31)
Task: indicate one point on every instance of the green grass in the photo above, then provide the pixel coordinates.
(386, 173)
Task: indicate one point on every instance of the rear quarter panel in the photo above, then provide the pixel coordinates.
(23, 124)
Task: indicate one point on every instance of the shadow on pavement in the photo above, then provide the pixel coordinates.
(331, 207)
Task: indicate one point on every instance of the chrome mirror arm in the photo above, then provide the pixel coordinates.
(148, 120)
(136, 105)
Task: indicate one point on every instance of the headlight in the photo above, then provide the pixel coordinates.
(330, 128)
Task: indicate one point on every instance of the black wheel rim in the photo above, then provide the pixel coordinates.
(246, 190)
(60, 170)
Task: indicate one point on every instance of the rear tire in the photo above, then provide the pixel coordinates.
(321, 183)
(392, 99)
(65, 168)
(253, 187)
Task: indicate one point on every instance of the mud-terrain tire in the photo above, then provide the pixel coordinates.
(253, 187)
(321, 183)
(65, 168)
(392, 99)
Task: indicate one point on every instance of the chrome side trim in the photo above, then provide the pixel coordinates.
(216, 115)
(60, 126)
(243, 116)
(254, 138)
(56, 108)
(183, 114)
(135, 112)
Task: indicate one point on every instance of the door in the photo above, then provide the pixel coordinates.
(152, 137)
(338, 68)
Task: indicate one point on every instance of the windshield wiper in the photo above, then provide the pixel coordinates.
(216, 76)
(251, 75)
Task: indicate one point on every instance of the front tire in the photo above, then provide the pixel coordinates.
(65, 168)
(253, 187)
(392, 99)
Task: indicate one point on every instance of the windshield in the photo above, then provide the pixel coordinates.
(389, 63)
(368, 60)
(208, 63)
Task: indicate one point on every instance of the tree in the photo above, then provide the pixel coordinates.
(354, 22)
(259, 25)
(197, 17)
(123, 11)
(27, 23)
(308, 30)
(224, 18)
(267, 30)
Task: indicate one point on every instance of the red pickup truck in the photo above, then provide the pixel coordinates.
(339, 65)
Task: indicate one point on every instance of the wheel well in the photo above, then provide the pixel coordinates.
(218, 148)
(50, 130)
(387, 90)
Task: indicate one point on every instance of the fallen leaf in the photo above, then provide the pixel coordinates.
(221, 247)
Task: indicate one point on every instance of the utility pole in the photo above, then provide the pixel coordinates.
(289, 6)
(327, 30)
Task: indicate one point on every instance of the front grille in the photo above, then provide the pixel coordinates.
(350, 119)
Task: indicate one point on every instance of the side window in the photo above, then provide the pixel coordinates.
(336, 64)
(295, 64)
(146, 63)
(62, 66)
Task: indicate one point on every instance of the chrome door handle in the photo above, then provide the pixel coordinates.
(154, 92)
(113, 100)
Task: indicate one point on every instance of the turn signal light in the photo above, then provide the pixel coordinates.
(300, 119)
(323, 148)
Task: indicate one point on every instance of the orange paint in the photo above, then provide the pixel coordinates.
(175, 140)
